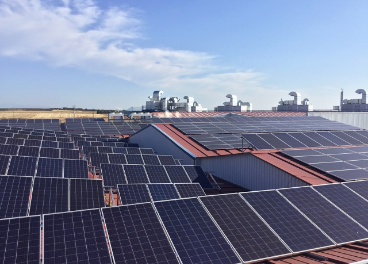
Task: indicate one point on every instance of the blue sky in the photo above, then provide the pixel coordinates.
(113, 54)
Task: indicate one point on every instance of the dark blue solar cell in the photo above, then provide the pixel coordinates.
(274, 141)
(319, 139)
(348, 175)
(75, 237)
(97, 158)
(163, 191)
(194, 235)
(296, 230)
(256, 141)
(50, 167)
(305, 140)
(9, 149)
(166, 160)
(86, 194)
(126, 223)
(14, 196)
(50, 195)
(49, 144)
(134, 159)
(76, 169)
(346, 200)
(113, 174)
(69, 154)
(115, 158)
(359, 187)
(20, 240)
(133, 193)
(151, 160)
(335, 139)
(326, 216)
(4, 162)
(177, 174)
(157, 174)
(189, 190)
(292, 142)
(22, 166)
(135, 174)
(29, 151)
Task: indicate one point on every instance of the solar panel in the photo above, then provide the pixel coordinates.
(50, 195)
(117, 158)
(21, 240)
(50, 167)
(4, 162)
(135, 174)
(125, 224)
(66, 145)
(163, 191)
(305, 140)
(113, 174)
(75, 237)
(32, 143)
(166, 159)
(187, 190)
(151, 160)
(97, 144)
(350, 156)
(317, 159)
(274, 141)
(9, 149)
(346, 200)
(157, 174)
(86, 194)
(319, 139)
(348, 175)
(120, 150)
(296, 230)
(22, 166)
(14, 196)
(333, 166)
(88, 150)
(250, 236)
(15, 141)
(256, 141)
(326, 216)
(29, 151)
(194, 235)
(328, 151)
(49, 144)
(346, 137)
(292, 142)
(97, 158)
(357, 136)
(196, 174)
(177, 174)
(75, 169)
(134, 159)
(133, 193)
(147, 151)
(69, 154)
(338, 141)
(360, 187)
(105, 150)
(359, 163)
(50, 153)
(133, 151)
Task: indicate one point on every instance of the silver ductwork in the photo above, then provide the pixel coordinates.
(157, 95)
(297, 98)
(233, 99)
(364, 95)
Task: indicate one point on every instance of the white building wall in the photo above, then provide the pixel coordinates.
(249, 172)
(358, 119)
(153, 137)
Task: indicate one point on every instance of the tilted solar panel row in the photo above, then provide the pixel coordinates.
(141, 193)
(43, 167)
(210, 229)
(96, 159)
(121, 150)
(36, 142)
(306, 139)
(114, 174)
(349, 163)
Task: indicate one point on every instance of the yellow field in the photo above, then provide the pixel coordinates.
(57, 114)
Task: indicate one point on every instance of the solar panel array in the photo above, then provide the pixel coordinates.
(44, 124)
(99, 127)
(306, 139)
(244, 126)
(114, 174)
(86, 194)
(344, 163)
(20, 240)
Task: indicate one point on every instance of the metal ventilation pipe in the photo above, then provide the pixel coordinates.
(233, 99)
(297, 98)
(157, 95)
(364, 95)
(341, 98)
